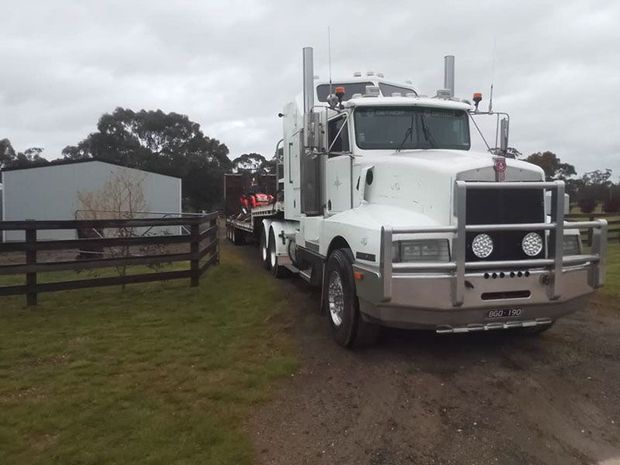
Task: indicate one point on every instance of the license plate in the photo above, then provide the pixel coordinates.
(505, 313)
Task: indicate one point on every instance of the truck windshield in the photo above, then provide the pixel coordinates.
(411, 128)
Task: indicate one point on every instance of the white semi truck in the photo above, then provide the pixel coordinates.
(385, 206)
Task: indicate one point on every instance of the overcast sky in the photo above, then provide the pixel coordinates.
(232, 65)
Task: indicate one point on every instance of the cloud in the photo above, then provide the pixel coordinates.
(232, 65)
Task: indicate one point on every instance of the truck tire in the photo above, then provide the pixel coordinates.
(264, 250)
(348, 327)
(277, 271)
(238, 237)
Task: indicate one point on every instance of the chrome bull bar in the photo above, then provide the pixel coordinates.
(458, 266)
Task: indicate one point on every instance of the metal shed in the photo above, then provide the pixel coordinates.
(57, 191)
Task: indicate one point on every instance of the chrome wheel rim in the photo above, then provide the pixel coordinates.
(335, 298)
(273, 256)
(264, 250)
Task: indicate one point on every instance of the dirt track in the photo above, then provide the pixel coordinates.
(418, 398)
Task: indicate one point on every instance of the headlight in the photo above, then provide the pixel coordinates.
(532, 244)
(423, 250)
(482, 245)
(571, 245)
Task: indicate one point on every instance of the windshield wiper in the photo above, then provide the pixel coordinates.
(408, 133)
(427, 133)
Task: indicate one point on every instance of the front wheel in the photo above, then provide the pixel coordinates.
(348, 326)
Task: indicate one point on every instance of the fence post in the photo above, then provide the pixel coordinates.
(217, 240)
(31, 259)
(195, 250)
(590, 232)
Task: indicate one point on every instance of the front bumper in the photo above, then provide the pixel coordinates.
(457, 296)
(423, 301)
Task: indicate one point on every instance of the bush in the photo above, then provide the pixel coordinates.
(587, 205)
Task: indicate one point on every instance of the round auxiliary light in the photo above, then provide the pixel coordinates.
(482, 245)
(532, 244)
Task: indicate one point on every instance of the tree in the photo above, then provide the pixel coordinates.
(10, 159)
(252, 163)
(7, 153)
(166, 143)
(30, 156)
(511, 152)
(552, 165)
(121, 197)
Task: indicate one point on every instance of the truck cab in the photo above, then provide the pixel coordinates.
(388, 209)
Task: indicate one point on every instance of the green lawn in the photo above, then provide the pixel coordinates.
(159, 373)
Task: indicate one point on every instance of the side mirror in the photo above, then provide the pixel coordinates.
(504, 135)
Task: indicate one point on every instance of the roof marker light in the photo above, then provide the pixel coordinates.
(357, 74)
(372, 91)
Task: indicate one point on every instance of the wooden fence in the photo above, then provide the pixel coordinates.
(613, 221)
(200, 238)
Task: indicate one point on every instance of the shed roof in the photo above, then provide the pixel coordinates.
(62, 162)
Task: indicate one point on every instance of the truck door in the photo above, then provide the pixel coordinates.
(338, 169)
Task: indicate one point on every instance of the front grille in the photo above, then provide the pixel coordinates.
(504, 206)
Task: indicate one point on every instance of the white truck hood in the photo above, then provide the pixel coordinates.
(422, 181)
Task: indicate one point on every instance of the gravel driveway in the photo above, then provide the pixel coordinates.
(418, 398)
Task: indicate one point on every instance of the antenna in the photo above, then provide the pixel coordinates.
(329, 57)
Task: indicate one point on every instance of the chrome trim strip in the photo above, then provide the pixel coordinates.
(459, 244)
(570, 260)
(557, 216)
(477, 327)
(512, 184)
(386, 261)
(510, 227)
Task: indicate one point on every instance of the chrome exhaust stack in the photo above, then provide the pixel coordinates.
(308, 65)
(448, 74)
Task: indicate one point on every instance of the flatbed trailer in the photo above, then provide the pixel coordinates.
(246, 227)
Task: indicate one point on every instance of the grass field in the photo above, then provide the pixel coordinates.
(159, 373)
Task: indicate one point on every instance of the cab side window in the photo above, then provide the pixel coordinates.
(338, 139)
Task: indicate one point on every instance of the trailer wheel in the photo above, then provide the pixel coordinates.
(264, 250)
(348, 327)
(237, 237)
(277, 270)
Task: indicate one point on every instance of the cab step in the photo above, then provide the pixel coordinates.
(306, 275)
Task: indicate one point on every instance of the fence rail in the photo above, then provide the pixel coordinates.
(202, 241)
(613, 224)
